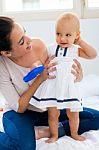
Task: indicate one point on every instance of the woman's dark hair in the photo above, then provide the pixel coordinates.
(6, 26)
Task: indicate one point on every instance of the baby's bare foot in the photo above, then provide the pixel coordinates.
(78, 137)
(51, 140)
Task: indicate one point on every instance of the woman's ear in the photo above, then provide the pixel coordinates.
(6, 53)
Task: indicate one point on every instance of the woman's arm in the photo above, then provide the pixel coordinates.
(26, 96)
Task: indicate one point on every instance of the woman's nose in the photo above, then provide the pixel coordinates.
(28, 39)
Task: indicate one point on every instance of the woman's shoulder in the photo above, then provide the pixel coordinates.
(37, 42)
(40, 48)
(38, 45)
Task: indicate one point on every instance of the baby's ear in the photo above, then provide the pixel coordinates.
(5, 53)
(78, 35)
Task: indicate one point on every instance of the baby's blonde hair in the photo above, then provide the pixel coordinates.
(69, 17)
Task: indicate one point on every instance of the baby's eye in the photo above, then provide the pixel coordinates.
(58, 34)
(68, 35)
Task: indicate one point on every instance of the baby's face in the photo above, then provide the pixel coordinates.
(66, 34)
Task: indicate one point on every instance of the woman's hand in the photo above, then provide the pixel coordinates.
(77, 71)
(49, 67)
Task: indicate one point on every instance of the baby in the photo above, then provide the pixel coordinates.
(62, 92)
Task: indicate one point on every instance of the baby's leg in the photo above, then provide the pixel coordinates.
(53, 115)
(74, 125)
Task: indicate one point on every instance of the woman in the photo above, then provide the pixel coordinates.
(18, 54)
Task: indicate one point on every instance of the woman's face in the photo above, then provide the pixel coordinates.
(21, 43)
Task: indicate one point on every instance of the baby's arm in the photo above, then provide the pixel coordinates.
(85, 50)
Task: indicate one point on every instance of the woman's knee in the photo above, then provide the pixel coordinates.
(9, 125)
(20, 130)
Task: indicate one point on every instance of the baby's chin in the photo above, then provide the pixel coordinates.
(64, 45)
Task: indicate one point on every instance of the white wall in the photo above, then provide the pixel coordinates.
(89, 31)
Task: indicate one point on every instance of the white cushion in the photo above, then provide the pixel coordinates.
(89, 86)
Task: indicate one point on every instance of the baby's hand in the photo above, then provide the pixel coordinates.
(78, 41)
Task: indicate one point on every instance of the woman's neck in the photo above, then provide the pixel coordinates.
(25, 61)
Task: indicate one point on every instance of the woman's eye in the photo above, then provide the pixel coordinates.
(22, 41)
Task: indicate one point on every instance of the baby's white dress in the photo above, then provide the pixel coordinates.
(60, 92)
